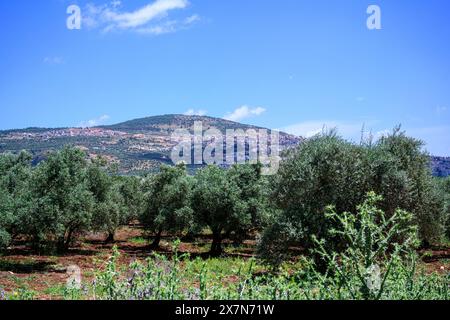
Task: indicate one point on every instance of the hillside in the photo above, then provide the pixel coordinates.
(440, 166)
(136, 146)
(174, 121)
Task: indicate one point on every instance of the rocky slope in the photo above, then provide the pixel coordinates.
(136, 146)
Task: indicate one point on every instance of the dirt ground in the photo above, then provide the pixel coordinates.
(45, 274)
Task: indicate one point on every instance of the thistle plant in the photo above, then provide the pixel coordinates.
(376, 247)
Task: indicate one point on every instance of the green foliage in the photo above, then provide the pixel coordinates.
(400, 172)
(324, 170)
(357, 251)
(108, 215)
(228, 201)
(15, 173)
(167, 202)
(327, 170)
(443, 186)
(110, 210)
(375, 246)
(62, 201)
(131, 191)
(253, 193)
(374, 266)
(118, 200)
(21, 294)
(7, 219)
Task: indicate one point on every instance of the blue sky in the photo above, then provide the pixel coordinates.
(290, 64)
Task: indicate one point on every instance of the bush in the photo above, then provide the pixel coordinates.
(400, 171)
(322, 171)
(376, 246)
(326, 170)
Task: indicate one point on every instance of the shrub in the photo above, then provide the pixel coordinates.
(400, 171)
(326, 170)
(376, 245)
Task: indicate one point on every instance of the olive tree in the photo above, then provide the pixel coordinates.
(62, 201)
(6, 219)
(228, 201)
(443, 185)
(107, 202)
(131, 192)
(166, 206)
(324, 170)
(327, 170)
(253, 194)
(15, 174)
(117, 200)
(401, 173)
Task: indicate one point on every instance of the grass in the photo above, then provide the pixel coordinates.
(139, 241)
(160, 278)
(190, 274)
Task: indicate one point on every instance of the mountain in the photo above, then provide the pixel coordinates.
(440, 166)
(139, 145)
(175, 121)
(136, 146)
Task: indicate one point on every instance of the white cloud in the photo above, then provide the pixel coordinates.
(193, 112)
(309, 129)
(149, 19)
(94, 122)
(54, 60)
(140, 17)
(192, 19)
(244, 112)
